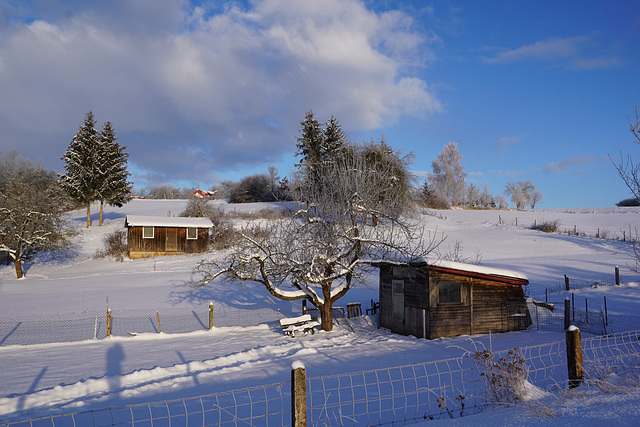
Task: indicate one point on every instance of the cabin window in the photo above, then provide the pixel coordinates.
(449, 292)
(147, 232)
(192, 233)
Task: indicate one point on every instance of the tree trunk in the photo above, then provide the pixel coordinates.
(18, 264)
(326, 311)
(88, 214)
(101, 206)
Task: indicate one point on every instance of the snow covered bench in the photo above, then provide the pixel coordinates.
(293, 326)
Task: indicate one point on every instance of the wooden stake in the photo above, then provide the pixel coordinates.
(158, 317)
(574, 356)
(210, 315)
(298, 395)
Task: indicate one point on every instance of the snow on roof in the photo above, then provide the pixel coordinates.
(166, 221)
(464, 267)
(473, 268)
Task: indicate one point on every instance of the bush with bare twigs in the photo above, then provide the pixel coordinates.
(115, 245)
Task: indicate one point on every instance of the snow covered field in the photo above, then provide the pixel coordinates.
(44, 379)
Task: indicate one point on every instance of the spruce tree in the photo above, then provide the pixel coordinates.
(112, 167)
(82, 178)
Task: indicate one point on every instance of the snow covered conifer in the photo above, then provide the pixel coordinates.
(112, 167)
(82, 178)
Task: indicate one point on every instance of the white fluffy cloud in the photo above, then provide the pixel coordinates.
(193, 90)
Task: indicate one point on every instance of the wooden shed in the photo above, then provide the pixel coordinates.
(432, 299)
(149, 236)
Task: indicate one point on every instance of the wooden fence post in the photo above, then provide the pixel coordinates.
(567, 313)
(298, 395)
(158, 317)
(574, 356)
(210, 315)
(566, 283)
(108, 323)
(617, 275)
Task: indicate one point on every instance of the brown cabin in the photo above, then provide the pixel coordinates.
(149, 236)
(445, 299)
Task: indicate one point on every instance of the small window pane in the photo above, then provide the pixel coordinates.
(147, 232)
(192, 233)
(449, 292)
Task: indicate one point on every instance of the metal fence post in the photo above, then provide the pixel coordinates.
(574, 356)
(298, 395)
(210, 315)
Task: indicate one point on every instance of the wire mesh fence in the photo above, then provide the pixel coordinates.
(399, 395)
(69, 327)
(267, 405)
(550, 316)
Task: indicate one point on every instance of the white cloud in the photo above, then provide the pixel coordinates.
(579, 53)
(229, 82)
(572, 163)
(543, 50)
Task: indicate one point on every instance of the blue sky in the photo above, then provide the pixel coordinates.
(206, 91)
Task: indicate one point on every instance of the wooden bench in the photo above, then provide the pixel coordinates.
(293, 326)
(354, 310)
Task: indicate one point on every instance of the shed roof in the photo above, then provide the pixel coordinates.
(472, 270)
(166, 221)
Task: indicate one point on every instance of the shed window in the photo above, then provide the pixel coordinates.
(192, 233)
(449, 292)
(147, 232)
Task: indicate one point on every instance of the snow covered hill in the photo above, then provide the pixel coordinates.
(42, 379)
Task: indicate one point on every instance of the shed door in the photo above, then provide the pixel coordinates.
(397, 302)
(172, 240)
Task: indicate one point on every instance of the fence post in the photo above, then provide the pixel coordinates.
(617, 275)
(210, 315)
(298, 395)
(586, 310)
(158, 317)
(566, 283)
(304, 306)
(108, 323)
(567, 313)
(574, 356)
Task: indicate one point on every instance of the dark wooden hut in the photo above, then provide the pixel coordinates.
(149, 236)
(444, 299)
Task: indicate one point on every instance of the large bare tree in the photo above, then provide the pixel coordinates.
(32, 207)
(355, 215)
(628, 170)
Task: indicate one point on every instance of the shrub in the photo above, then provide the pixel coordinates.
(115, 245)
(628, 202)
(197, 208)
(504, 379)
(546, 226)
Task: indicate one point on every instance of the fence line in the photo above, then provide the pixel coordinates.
(447, 388)
(69, 327)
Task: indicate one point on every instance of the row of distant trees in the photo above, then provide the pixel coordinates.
(446, 186)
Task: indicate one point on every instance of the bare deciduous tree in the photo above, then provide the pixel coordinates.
(348, 222)
(628, 170)
(31, 210)
(448, 176)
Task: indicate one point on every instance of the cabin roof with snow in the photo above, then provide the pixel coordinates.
(464, 269)
(168, 221)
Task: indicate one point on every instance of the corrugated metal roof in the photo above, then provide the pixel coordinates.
(166, 221)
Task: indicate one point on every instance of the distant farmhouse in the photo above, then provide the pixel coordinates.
(149, 236)
(432, 299)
